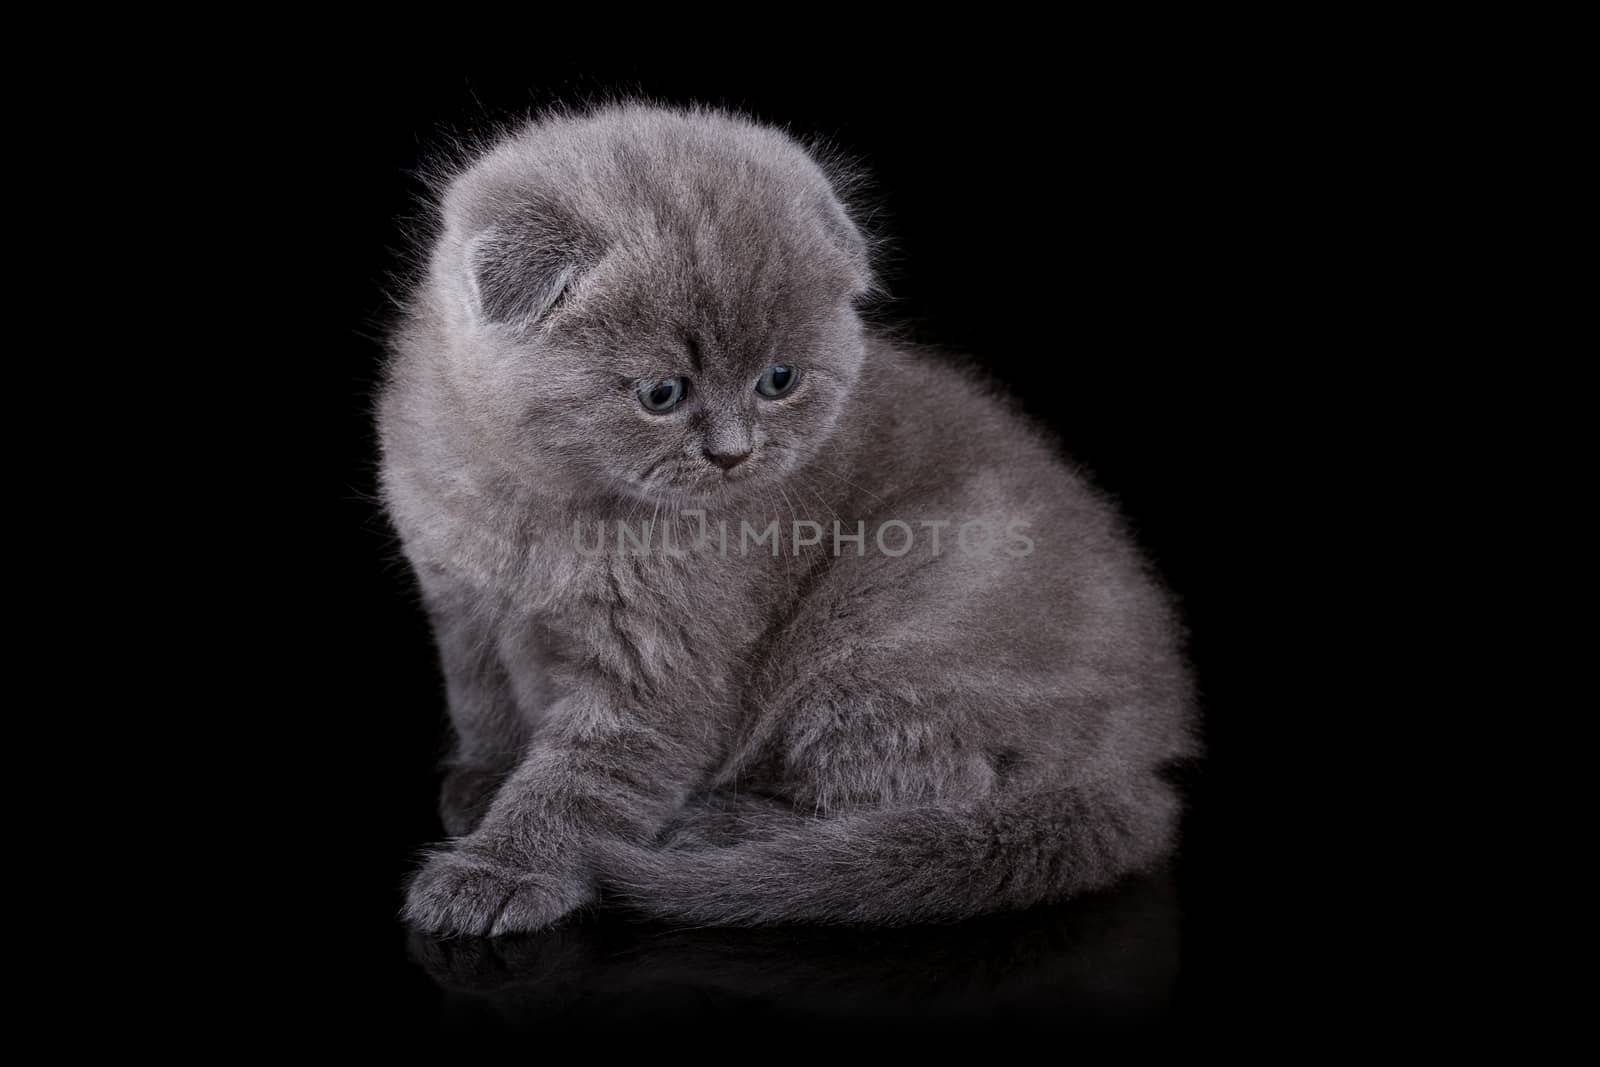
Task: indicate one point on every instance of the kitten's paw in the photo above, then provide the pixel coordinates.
(464, 893)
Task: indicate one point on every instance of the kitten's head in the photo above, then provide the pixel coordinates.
(650, 303)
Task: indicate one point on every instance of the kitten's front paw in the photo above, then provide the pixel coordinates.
(462, 892)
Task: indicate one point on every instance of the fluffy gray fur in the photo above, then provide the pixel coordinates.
(745, 739)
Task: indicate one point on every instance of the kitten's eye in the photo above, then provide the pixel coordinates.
(661, 397)
(777, 380)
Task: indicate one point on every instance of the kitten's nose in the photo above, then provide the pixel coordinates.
(727, 460)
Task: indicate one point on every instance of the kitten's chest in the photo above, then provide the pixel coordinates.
(650, 624)
(643, 608)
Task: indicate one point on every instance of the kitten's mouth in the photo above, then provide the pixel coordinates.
(707, 483)
(740, 473)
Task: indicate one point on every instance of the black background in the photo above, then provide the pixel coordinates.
(1111, 248)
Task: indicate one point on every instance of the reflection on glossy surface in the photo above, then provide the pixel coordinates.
(1109, 960)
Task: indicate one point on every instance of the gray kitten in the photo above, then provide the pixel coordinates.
(946, 684)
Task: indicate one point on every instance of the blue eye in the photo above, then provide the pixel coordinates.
(661, 397)
(777, 380)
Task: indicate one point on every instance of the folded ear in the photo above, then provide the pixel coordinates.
(844, 235)
(519, 267)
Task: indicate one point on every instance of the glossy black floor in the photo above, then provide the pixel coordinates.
(1107, 963)
(1088, 240)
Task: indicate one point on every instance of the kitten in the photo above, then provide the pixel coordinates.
(747, 614)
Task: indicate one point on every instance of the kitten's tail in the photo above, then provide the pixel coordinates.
(925, 864)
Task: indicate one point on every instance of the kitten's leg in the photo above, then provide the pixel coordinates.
(465, 796)
(726, 817)
(490, 732)
(908, 807)
(591, 772)
(852, 740)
